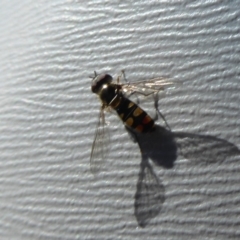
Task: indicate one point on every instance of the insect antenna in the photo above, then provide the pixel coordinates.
(91, 76)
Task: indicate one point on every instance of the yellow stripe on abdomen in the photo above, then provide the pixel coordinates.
(129, 122)
(137, 112)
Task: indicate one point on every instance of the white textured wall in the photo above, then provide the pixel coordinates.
(48, 117)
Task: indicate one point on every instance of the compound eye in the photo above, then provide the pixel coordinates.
(105, 78)
(99, 81)
(94, 87)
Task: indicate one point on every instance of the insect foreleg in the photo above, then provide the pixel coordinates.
(122, 75)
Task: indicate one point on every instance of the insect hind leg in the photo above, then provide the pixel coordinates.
(158, 113)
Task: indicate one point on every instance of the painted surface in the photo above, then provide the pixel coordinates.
(48, 118)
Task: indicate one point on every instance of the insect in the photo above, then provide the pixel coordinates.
(115, 95)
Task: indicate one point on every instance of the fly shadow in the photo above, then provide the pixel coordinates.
(162, 147)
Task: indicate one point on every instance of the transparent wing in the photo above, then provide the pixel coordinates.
(100, 144)
(147, 87)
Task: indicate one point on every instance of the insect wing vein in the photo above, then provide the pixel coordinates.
(100, 144)
(147, 87)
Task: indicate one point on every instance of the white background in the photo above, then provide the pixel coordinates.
(48, 115)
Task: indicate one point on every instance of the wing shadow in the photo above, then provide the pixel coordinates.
(150, 194)
(163, 147)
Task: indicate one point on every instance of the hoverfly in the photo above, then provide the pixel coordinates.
(113, 95)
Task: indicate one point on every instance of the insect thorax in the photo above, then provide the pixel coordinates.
(108, 93)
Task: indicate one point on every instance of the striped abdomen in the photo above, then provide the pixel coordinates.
(132, 115)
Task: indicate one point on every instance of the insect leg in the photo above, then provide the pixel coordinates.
(122, 75)
(155, 96)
